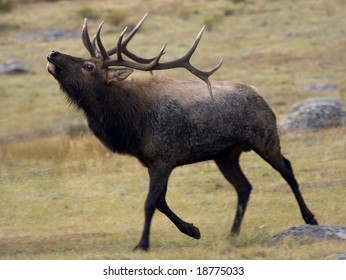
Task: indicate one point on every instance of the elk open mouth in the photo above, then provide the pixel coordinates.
(52, 67)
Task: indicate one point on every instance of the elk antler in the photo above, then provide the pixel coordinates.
(86, 40)
(143, 63)
(184, 62)
(124, 49)
(137, 63)
(94, 52)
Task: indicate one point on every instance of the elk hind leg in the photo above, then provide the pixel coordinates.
(230, 168)
(274, 157)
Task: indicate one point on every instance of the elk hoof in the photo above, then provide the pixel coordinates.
(193, 231)
(141, 247)
(309, 218)
(313, 221)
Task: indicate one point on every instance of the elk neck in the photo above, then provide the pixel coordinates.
(116, 114)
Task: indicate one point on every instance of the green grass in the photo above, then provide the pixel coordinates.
(69, 198)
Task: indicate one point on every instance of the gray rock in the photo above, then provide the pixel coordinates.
(13, 67)
(317, 101)
(321, 87)
(341, 256)
(314, 114)
(314, 232)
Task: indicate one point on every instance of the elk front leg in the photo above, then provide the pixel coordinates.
(157, 200)
(186, 228)
(157, 188)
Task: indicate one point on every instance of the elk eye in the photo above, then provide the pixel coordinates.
(88, 67)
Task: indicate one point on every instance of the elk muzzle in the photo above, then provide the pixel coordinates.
(51, 65)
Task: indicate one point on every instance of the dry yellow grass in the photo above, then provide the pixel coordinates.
(69, 198)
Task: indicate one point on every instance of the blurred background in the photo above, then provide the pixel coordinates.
(62, 195)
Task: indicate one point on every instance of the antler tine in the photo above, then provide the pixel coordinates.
(119, 55)
(124, 44)
(134, 30)
(195, 44)
(129, 37)
(208, 74)
(86, 39)
(93, 42)
(136, 65)
(161, 53)
(102, 49)
(184, 62)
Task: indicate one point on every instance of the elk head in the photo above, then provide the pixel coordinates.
(79, 73)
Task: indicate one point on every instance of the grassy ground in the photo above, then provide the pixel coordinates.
(69, 198)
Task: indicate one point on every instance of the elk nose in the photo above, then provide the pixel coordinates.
(53, 54)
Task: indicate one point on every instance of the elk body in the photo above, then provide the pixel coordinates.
(166, 123)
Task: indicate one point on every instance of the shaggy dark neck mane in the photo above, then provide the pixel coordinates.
(114, 115)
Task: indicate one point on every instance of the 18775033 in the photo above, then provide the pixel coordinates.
(220, 270)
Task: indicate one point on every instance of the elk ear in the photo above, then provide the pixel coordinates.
(115, 75)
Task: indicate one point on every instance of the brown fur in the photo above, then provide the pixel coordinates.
(166, 123)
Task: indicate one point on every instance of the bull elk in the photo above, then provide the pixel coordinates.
(166, 123)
